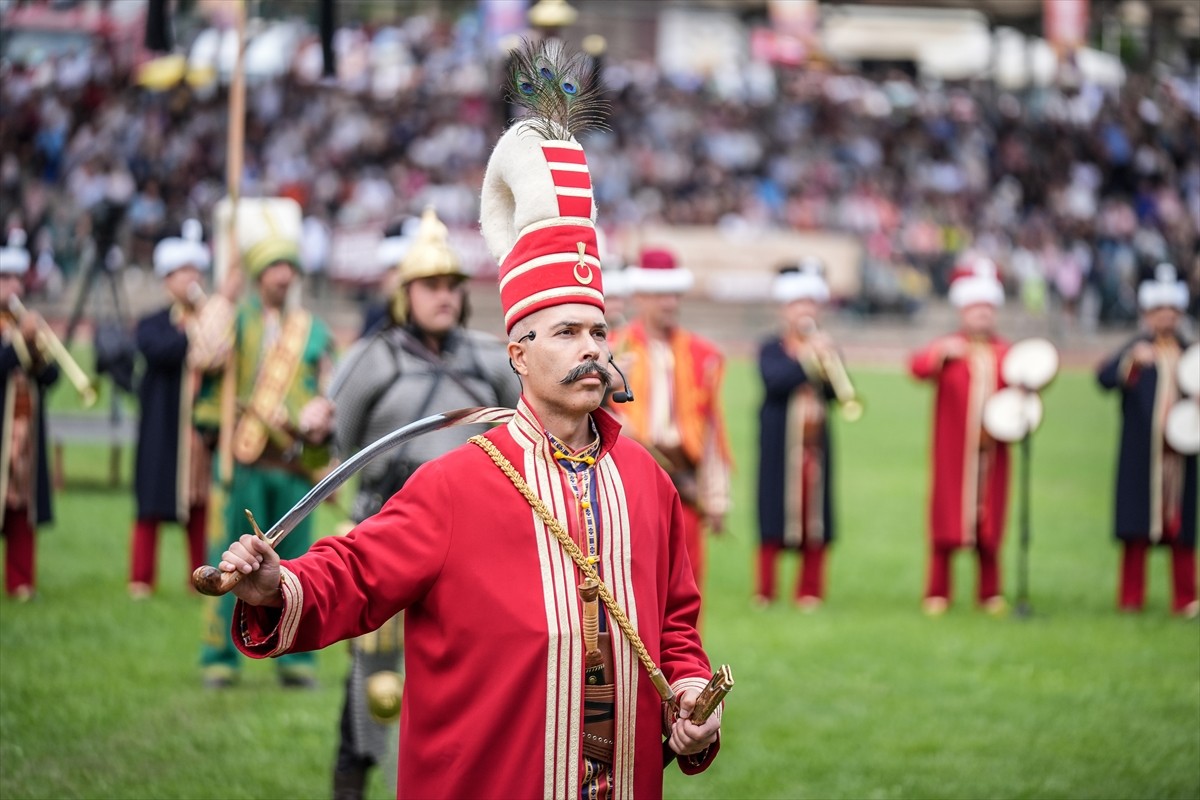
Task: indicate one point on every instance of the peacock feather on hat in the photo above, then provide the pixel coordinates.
(558, 89)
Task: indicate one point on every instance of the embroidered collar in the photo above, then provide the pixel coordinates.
(575, 461)
(530, 434)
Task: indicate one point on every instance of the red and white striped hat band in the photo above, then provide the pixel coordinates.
(572, 181)
(556, 260)
(553, 262)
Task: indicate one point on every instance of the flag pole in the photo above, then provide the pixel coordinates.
(234, 156)
(228, 261)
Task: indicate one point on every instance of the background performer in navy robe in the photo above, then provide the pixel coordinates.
(1156, 486)
(25, 375)
(172, 470)
(795, 508)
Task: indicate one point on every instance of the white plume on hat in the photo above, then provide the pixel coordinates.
(14, 258)
(177, 252)
(976, 281)
(806, 283)
(1163, 290)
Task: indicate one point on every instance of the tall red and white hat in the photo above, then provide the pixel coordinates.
(658, 272)
(537, 213)
(974, 281)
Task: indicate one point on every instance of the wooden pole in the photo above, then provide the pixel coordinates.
(234, 156)
(216, 630)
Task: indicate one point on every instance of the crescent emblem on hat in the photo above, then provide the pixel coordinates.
(586, 278)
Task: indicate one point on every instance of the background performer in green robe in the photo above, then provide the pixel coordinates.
(282, 426)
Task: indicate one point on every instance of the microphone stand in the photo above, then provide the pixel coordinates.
(1024, 610)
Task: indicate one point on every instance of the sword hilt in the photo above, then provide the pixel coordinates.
(589, 592)
(711, 695)
(214, 582)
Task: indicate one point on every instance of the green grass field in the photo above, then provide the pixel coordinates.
(100, 696)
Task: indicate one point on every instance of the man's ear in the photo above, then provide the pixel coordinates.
(516, 357)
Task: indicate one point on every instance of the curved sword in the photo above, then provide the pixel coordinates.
(213, 582)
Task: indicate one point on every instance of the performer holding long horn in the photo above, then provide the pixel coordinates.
(484, 547)
(25, 375)
(50, 348)
(1156, 473)
(802, 374)
(173, 466)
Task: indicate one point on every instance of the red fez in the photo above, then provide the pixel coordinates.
(657, 258)
(659, 273)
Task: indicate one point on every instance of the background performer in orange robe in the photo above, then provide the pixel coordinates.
(675, 376)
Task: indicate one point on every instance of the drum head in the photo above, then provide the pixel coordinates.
(1031, 364)
(1189, 372)
(1012, 414)
(1182, 430)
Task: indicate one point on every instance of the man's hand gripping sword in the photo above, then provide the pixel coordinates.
(213, 582)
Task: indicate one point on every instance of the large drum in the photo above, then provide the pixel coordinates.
(1182, 429)
(1013, 413)
(1030, 364)
(1188, 373)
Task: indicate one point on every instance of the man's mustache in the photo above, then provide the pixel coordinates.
(589, 368)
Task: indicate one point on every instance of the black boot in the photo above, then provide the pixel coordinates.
(349, 783)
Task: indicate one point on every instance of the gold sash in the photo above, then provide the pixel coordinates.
(275, 375)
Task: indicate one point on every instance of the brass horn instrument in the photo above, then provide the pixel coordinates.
(831, 364)
(53, 350)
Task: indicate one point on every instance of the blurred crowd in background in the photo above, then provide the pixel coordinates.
(1072, 190)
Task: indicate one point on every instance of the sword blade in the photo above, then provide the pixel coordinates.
(381, 446)
(213, 582)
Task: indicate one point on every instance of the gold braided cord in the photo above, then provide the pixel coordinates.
(581, 561)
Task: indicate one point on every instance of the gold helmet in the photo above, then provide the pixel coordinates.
(429, 255)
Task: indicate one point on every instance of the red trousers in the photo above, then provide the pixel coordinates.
(811, 581)
(18, 551)
(145, 544)
(1132, 592)
(939, 572)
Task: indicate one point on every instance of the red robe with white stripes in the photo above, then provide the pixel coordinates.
(970, 493)
(493, 703)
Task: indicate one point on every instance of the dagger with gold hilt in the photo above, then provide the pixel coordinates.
(593, 659)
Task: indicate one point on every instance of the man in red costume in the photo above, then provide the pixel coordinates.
(970, 469)
(496, 675)
(676, 376)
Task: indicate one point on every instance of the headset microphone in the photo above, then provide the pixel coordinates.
(625, 396)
